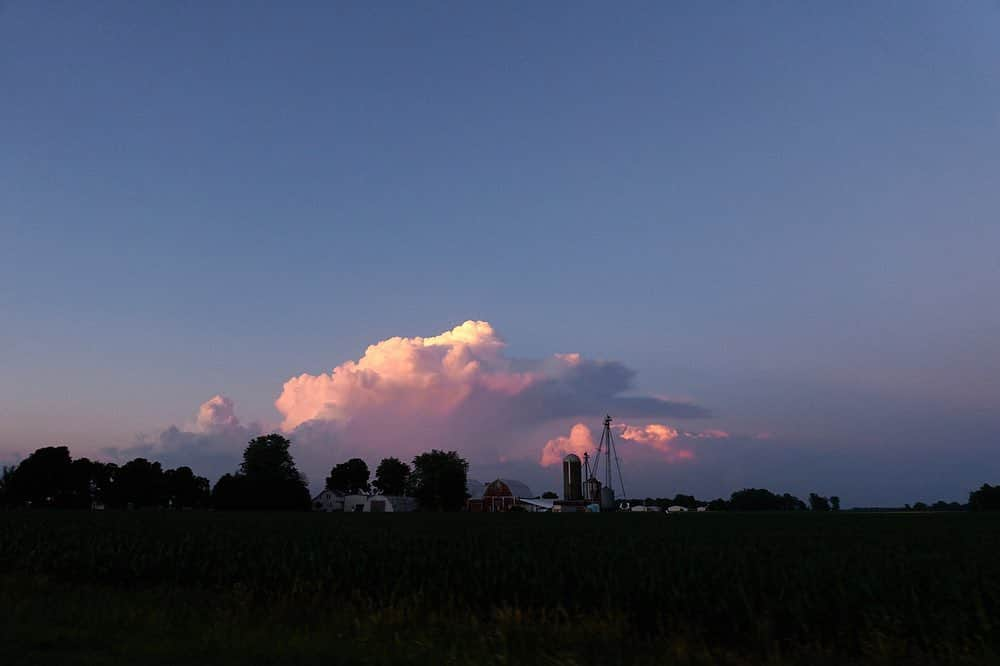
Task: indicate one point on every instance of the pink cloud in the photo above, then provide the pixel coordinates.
(654, 435)
(434, 375)
(708, 434)
(580, 441)
(457, 390)
(670, 444)
(216, 413)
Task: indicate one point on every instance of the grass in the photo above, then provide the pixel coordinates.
(194, 588)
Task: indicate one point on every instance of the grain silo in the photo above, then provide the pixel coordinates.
(572, 478)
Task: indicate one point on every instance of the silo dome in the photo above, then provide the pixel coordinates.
(572, 457)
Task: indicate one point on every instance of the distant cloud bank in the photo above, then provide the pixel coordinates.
(669, 444)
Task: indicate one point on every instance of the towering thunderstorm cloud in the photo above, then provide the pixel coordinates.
(457, 390)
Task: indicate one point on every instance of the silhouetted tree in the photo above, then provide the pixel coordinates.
(268, 457)
(919, 506)
(439, 480)
(349, 477)
(5, 498)
(818, 503)
(986, 498)
(760, 499)
(834, 503)
(184, 490)
(232, 492)
(267, 480)
(44, 479)
(548, 494)
(138, 484)
(392, 477)
(718, 505)
(686, 501)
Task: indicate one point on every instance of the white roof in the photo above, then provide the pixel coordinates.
(540, 503)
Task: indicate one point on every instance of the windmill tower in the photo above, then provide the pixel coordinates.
(595, 491)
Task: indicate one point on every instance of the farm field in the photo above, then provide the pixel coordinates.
(784, 588)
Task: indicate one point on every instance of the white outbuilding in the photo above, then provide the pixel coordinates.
(390, 504)
(355, 503)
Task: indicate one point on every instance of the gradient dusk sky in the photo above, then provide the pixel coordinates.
(771, 231)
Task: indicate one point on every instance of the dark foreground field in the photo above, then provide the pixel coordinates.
(196, 588)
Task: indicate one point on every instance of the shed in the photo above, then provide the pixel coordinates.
(355, 503)
(390, 504)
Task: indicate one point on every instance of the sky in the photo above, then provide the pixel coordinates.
(763, 236)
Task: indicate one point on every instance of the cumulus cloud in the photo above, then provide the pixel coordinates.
(457, 390)
(457, 371)
(434, 375)
(580, 441)
(670, 444)
(212, 446)
(216, 413)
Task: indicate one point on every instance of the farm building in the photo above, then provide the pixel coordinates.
(390, 504)
(499, 495)
(328, 501)
(331, 501)
(533, 505)
(355, 503)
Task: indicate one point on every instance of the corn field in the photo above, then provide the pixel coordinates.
(203, 587)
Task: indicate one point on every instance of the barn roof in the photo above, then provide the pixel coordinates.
(519, 489)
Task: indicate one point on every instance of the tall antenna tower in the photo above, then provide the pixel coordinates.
(607, 446)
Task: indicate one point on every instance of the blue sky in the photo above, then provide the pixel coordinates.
(784, 212)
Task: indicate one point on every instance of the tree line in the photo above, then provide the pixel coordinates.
(747, 499)
(51, 478)
(437, 479)
(267, 479)
(987, 498)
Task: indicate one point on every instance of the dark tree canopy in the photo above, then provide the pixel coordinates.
(5, 475)
(986, 498)
(718, 504)
(349, 478)
(818, 503)
(392, 477)
(184, 490)
(49, 477)
(267, 479)
(548, 494)
(44, 479)
(267, 458)
(761, 499)
(834, 503)
(686, 501)
(139, 483)
(439, 479)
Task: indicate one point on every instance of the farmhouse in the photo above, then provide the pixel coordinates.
(328, 501)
